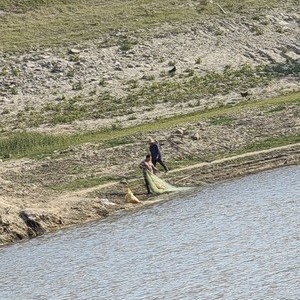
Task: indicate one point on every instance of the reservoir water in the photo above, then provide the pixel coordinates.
(239, 239)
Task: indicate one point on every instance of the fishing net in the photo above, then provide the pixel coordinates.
(159, 186)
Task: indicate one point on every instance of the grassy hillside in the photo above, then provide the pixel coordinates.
(35, 144)
(26, 24)
(30, 24)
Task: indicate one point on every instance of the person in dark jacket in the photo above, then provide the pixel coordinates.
(156, 156)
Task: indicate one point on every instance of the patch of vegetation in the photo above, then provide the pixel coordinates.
(257, 30)
(198, 61)
(148, 77)
(125, 44)
(221, 120)
(25, 142)
(23, 6)
(44, 23)
(272, 142)
(4, 71)
(184, 162)
(277, 108)
(5, 111)
(83, 183)
(194, 86)
(105, 105)
(284, 69)
(33, 144)
(118, 142)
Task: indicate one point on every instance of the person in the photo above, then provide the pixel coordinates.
(147, 165)
(155, 152)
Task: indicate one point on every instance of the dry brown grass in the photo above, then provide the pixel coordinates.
(31, 24)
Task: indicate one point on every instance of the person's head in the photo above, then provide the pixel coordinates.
(148, 157)
(151, 141)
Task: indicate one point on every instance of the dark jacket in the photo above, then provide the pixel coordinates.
(155, 151)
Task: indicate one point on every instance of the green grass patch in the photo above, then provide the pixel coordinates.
(272, 142)
(24, 144)
(185, 162)
(118, 142)
(277, 108)
(23, 6)
(84, 183)
(222, 120)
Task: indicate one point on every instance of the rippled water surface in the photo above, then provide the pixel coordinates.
(233, 240)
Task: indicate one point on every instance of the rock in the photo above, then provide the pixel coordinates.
(179, 131)
(107, 203)
(74, 51)
(34, 226)
(195, 137)
(177, 141)
(123, 181)
(292, 55)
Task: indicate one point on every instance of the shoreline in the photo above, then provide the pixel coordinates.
(81, 208)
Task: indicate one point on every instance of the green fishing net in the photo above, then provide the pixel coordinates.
(159, 186)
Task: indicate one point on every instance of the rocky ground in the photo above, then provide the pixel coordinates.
(33, 194)
(37, 81)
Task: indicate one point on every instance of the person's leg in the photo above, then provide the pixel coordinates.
(162, 163)
(147, 186)
(154, 161)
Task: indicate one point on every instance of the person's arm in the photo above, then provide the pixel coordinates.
(158, 151)
(155, 169)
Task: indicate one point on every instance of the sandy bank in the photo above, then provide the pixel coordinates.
(24, 219)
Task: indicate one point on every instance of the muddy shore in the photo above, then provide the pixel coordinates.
(40, 215)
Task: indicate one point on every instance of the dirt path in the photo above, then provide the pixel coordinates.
(242, 156)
